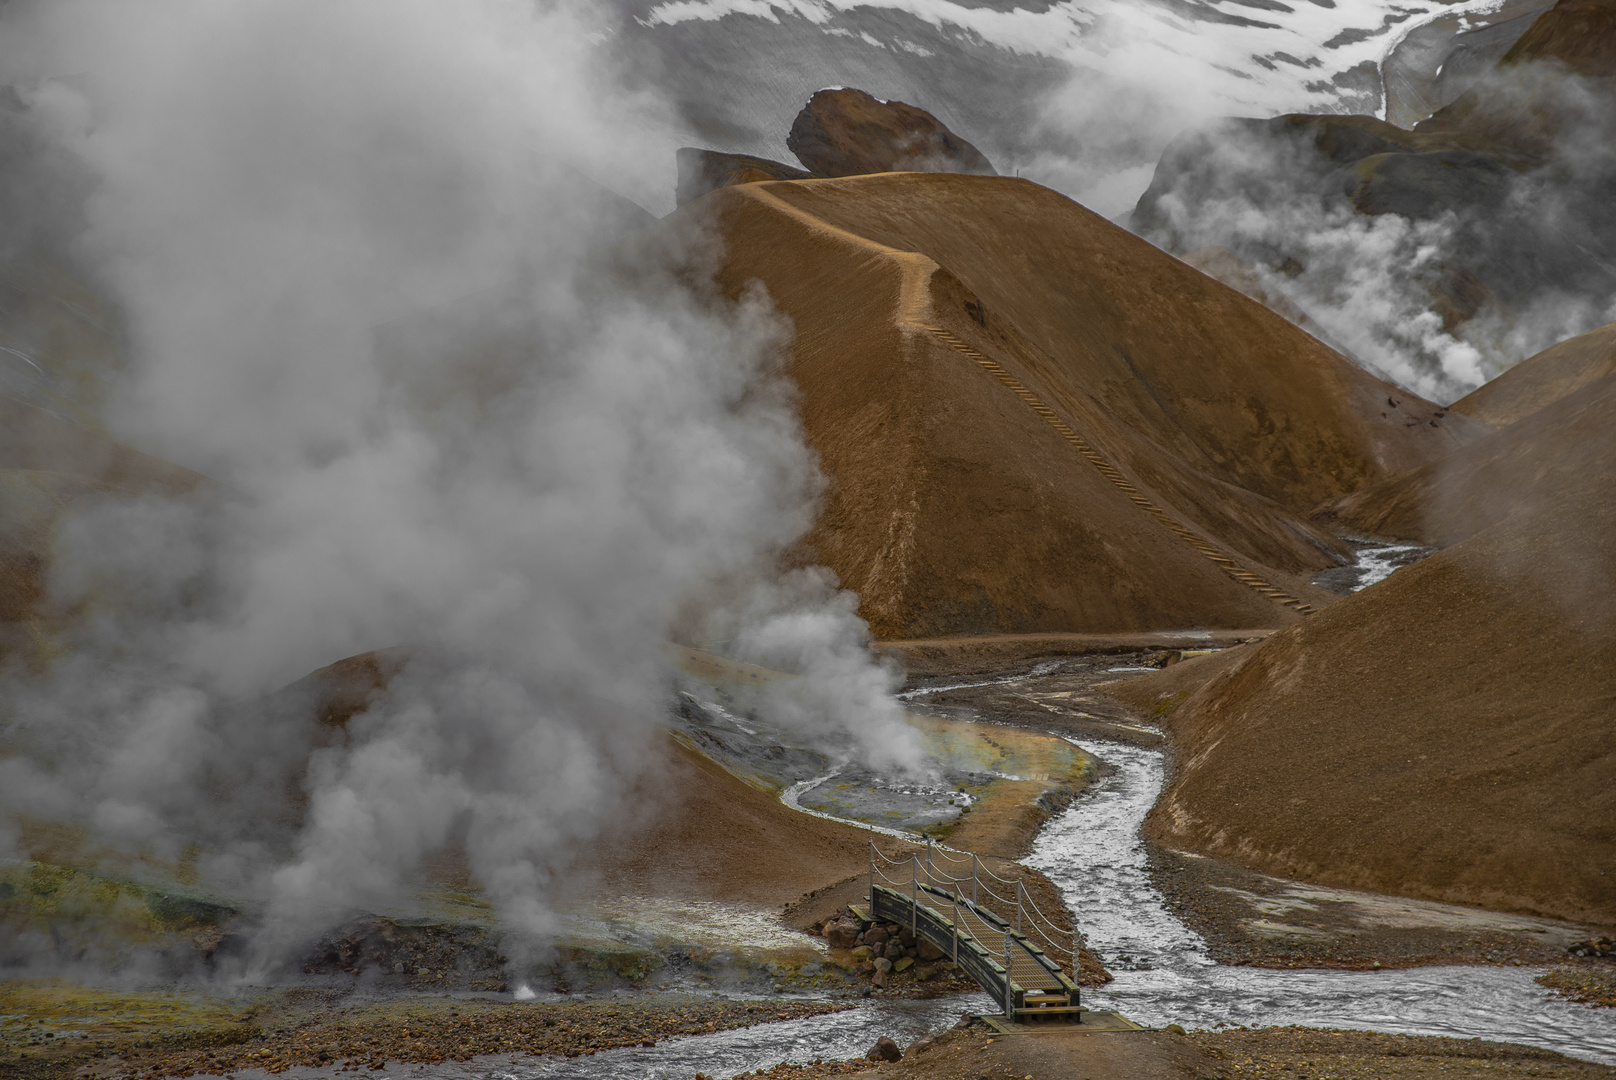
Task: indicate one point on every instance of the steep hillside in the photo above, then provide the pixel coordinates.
(1523, 470)
(1034, 421)
(1543, 379)
(1448, 733)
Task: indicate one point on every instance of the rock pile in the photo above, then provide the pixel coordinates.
(883, 951)
(1603, 946)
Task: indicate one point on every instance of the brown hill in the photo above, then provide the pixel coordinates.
(1522, 470)
(46, 463)
(1543, 379)
(1581, 34)
(848, 132)
(1447, 733)
(1034, 421)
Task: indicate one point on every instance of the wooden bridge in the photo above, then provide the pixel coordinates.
(1018, 957)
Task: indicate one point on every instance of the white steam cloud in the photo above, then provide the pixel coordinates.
(460, 400)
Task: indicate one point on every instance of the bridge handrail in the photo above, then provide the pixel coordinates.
(1060, 949)
(998, 922)
(1028, 914)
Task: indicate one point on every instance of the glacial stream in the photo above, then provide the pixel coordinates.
(1163, 974)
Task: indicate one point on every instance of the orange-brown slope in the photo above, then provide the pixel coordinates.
(1206, 373)
(1523, 469)
(1448, 733)
(1543, 379)
(991, 478)
(692, 831)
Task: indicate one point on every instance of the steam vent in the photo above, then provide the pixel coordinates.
(718, 538)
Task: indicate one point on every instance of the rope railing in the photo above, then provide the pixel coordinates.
(1019, 913)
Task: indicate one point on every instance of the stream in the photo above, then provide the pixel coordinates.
(1164, 975)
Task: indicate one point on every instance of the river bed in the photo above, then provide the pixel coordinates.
(1164, 974)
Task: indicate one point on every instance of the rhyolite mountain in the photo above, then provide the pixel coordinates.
(1033, 421)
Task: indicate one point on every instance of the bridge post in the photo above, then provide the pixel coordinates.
(1021, 889)
(931, 876)
(1009, 998)
(955, 902)
(872, 879)
(973, 877)
(914, 893)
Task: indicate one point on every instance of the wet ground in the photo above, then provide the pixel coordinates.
(1166, 924)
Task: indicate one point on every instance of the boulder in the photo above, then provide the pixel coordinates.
(884, 1050)
(894, 951)
(903, 964)
(863, 952)
(876, 938)
(847, 132)
(701, 171)
(927, 951)
(883, 965)
(843, 933)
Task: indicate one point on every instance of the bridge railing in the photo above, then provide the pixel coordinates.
(984, 892)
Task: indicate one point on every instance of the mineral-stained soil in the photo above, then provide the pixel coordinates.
(694, 831)
(959, 505)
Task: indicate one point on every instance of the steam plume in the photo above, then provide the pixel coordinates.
(459, 399)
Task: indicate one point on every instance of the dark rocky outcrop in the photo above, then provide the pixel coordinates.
(848, 132)
(701, 171)
(1518, 170)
